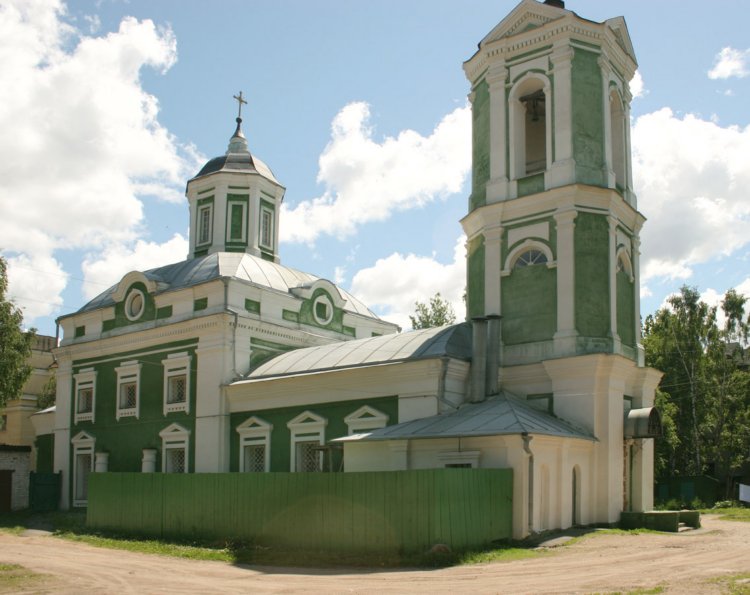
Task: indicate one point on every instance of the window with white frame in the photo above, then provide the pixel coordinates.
(255, 445)
(459, 459)
(204, 219)
(176, 382)
(128, 389)
(175, 443)
(307, 440)
(83, 465)
(85, 391)
(266, 228)
(365, 419)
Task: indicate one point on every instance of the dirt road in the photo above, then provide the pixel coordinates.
(681, 563)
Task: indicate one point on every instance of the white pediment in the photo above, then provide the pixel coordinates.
(529, 14)
(622, 36)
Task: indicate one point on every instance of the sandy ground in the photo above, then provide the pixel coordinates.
(681, 563)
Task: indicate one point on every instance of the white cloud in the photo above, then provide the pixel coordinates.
(691, 177)
(35, 284)
(394, 283)
(81, 144)
(105, 269)
(636, 85)
(730, 62)
(366, 180)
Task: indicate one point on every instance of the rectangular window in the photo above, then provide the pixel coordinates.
(174, 460)
(176, 389)
(266, 228)
(128, 389)
(308, 456)
(85, 393)
(176, 382)
(85, 400)
(84, 462)
(204, 224)
(254, 458)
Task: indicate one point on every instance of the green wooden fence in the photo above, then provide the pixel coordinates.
(378, 511)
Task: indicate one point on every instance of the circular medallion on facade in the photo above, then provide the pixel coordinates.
(323, 310)
(135, 304)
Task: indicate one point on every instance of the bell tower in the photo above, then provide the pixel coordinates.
(553, 229)
(553, 234)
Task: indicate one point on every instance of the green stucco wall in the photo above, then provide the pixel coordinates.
(480, 147)
(588, 118)
(625, 309)
(281, 435)
(529, 305)
(475, 277)
(592, 275)
(125, 439)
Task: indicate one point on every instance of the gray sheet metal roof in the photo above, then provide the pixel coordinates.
(497, 416)
(453, 341)
(234, 162)
(245, 267)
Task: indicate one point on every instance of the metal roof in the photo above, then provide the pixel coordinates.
(236, 265)
(497, 416)
(452, 341)
(238, 162)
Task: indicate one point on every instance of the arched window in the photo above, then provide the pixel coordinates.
(618, 123)
(624, 264)
(530, 121)
(529, 258)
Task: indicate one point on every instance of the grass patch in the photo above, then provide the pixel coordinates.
(737, 584)
(13, 577)
(730, 514)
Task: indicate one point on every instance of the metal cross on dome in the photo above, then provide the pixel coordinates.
(240, 101)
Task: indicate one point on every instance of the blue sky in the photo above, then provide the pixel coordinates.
(359, 108)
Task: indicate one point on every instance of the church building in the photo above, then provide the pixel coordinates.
(230, 361)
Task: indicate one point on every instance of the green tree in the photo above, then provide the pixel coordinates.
(438, 312)
(49, 393)
(704, 396)
(15, 344)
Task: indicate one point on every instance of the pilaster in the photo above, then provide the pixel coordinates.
(562, 170)
(606, 70)
(565, 336)
(492, 267)
(636, 262)
(497, 186)
(62, 427)
(616, 343)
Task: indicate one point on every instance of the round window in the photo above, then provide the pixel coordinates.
(135, 304)
(323, 310)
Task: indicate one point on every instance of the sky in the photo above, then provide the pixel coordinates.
(360, 109)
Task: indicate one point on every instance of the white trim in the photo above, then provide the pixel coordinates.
(255, 432)
(127, 306)
(83, 445)
(306, 427)
(365, 418)
(85, 379)
(323, 299)
(263, 244)
(175, 437)
(127, 373)
(523, 247)
(624, 256)
(176, 364)
(198, 223)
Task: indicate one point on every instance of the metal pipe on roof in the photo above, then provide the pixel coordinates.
(493, 353)
(478, 387)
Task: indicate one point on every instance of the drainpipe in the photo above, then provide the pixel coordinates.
(493, 353)
(225, 281)
(526, 441)
(478, 389)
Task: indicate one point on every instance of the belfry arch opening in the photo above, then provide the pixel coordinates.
(530, 108)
